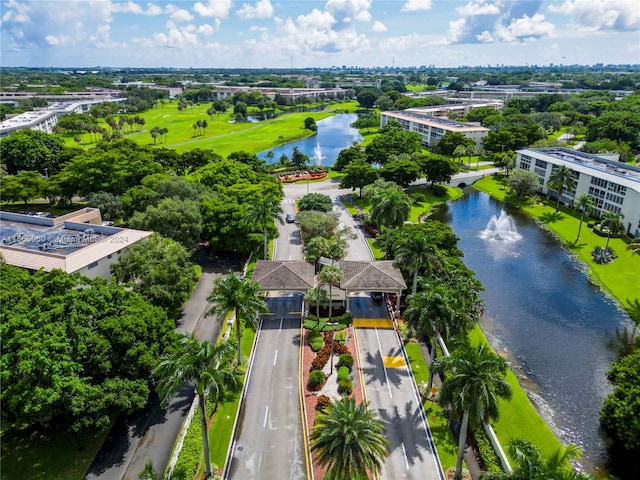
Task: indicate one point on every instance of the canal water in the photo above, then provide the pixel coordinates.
(544, 315)
(334, 134)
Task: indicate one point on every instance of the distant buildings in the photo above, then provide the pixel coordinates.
(76, 242)
(431, 128)
(612, 185)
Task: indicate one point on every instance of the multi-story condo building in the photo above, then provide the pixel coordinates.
(432, 129)
(612, 185)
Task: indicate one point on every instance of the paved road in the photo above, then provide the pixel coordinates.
(151, 432)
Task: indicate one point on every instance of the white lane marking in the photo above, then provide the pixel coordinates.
(266, 414)
(275, 358)
(280, 329)
(404, 452)
(384, 369)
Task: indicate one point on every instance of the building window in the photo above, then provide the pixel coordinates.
(541, 164)
(92, 265)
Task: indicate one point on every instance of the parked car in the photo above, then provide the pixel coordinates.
(290, 218)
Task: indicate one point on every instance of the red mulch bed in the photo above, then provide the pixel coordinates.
(311, 399)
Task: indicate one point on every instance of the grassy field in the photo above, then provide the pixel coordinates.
(424, 200)
(442, 436)
(620, 278)
(63, 456)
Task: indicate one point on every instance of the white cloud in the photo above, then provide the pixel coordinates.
(316, 20)
(416, 5)
(213, 8)
(16, 12)
(57, 40)
(178, 14)
(457, 29)
(485, 37)
(478, 7)
(378, 27)
(602, 14)
(208, 30)
(525, 27)
(348, 10)
(261, 9)
(255, 28)
(132, 7)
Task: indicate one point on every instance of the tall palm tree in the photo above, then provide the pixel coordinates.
(474, 381)
(317, 296)
(561, 178)
(204, 366)
(331, 275)
(585, 204)
(459, 151)
(415, 253)
(430, 313)
(241, 296)
(263, 210)
(613, 222)
(390, 207)
(532, 466)
(350, 440)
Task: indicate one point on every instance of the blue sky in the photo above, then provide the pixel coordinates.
(307, 33)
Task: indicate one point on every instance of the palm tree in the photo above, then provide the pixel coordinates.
(206, 367)
(613, 222)
(390, 207)
(532, 466)
(263, 211)
(331, 275)
(430, 313)
(584, 203)
(350, 440)
(234, 293)
(474, 381)
(317, 296)
(417, 252)
(561, 178)
(459, 151)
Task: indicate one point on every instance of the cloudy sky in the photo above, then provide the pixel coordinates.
(307, 33)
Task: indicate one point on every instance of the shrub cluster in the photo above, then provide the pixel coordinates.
(345, 386)
(316, 340)
(343, 373)
(485, 450)
(346, 360)
(323, 403)
(316, 380)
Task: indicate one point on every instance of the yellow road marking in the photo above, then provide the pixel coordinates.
(373, 323)
(393, 361)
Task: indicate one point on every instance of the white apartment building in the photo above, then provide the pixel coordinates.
(75, 242)
(43, 120)
(432, 129)
(612, 185)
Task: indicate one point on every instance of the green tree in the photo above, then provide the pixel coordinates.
(31, 150)
(316, 224)
(206, 367)
(299, 159)
(438, 169)
(358, 174)
(448, 143)
(110, 205)
(523, 183)
(232, 293)
(415, 253)
(401, 171)
(331, 275)
(585, 204)
(25, 185)
(317, 296)
(561, 178)
(613, 223)
(367, 97)
(173, 218)
(349, 156)
(263, 211)
(159, 269)
(392, 141)
(474, 382)
(316, 201)
(532, 466)
(350, 440)
(390, 208)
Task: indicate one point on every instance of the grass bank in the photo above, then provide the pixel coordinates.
(619, 278)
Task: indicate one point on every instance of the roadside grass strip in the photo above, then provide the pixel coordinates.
(373, 323)
(393, 361)
(438, 423)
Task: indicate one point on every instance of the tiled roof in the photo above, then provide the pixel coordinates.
(285, 275)
(371, 276)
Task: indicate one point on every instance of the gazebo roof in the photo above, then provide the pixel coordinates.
(375, 276)
(297, 275)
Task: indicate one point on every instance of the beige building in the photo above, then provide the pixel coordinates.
(432, 129)
(75, 242)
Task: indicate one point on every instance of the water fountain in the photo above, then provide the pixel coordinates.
(501, 228)
(317, 154)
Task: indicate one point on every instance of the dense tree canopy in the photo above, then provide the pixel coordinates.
(75, 352)
(392, 141)
(316, 201)
(32, 150)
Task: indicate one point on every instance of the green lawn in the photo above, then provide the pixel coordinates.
(442, 436)
(518, 417)
(63, 456)
(620, 278)
(426, 200)
(378, 253)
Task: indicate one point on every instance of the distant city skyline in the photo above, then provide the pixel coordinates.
(309, 33)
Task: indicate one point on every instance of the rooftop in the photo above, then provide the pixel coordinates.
(445, 122)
